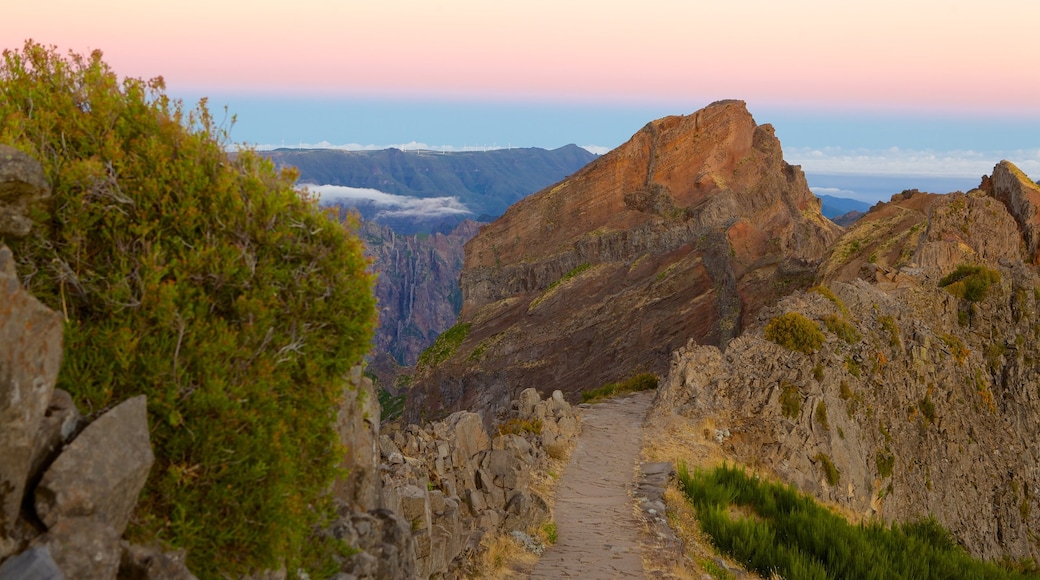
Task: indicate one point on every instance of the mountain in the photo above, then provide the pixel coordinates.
(921, 395)
(484, 182)
(833, 207)
(686, 230)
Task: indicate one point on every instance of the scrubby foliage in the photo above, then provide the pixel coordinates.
(794, 332)
(842, 328)
(790, 400)
(444, 347)
(206, 282)
(791, 536)
(516, 426)
(970, 282)
(830, 295)
(635, 383)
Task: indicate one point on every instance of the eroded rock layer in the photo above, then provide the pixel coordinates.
(684, 231)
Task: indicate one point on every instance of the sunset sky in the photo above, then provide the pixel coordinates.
(920, 87)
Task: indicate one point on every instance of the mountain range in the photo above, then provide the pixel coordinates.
(483, 183)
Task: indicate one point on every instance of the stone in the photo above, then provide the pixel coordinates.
(1022, 198)
(22, 184)
(60, 422)
(528, 398)
(33, 564)
(151, 563)
(102, 471)
(83, 547)
(358, 427)
(30, 356)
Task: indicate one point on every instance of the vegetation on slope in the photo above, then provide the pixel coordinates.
(205, 282)
(794, 331)
(634, 384)
(783, 532)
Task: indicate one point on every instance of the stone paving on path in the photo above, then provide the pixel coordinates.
(598, 533)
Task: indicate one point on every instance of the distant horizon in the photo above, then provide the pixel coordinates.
(925, 88)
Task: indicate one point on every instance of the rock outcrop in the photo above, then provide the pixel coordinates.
(925, 400)
(447, 486)
(1022, 197)
(686, 230)
(22, 184)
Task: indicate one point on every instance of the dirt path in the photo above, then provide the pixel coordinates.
(597, 528)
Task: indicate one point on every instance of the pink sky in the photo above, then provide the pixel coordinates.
(948, 55)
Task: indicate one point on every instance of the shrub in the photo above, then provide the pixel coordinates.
(790, 400)
(888, 324)
(927, 408)
(521, 426)
(794, 332)
(829, 470)
(830, 295)
(821, 415)
(204, 281)
(842, 328)
(970, 282)
(886, 463)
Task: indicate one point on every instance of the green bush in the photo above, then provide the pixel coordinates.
(830, 295)
(886, 463)
(842, 328)
(829, 470)
(888, 324)
(821, 416)
(794, 332)
(791, 536)
(790, 400)
(206, 282)
(391, 406)
(970, 282)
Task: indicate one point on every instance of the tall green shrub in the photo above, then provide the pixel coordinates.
(794, 331)
(206, 282)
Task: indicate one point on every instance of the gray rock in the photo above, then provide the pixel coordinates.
(528, 399)
(60, 422)
(102, 471)
(83, 547)
(30, 355)
(152, 563)
(22, 183)
(32, 564)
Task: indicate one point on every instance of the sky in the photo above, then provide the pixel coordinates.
(926, 88)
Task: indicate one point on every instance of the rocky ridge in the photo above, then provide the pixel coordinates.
(686, 230)
(928, 405)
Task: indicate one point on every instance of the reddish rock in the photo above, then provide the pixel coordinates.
(682, 232)
(1022, 198)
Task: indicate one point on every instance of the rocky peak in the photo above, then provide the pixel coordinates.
(1022, 198)
(685, 230)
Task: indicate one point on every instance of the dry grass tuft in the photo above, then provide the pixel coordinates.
(503, 558)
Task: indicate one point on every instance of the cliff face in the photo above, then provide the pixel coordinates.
(417, 286)
(684, 231)
(930, 407)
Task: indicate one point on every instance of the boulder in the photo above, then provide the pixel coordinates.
(151, 563)
(102, 471)
(22, 183)
(60, 422)
(30, 355)
(32, 564)
(83, 547)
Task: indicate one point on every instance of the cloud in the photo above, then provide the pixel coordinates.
(833, 191)
(909, 162)
(596, 149)
(388, 205)
(410, 146)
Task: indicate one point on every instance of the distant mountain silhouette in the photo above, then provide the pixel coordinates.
(486, 182)
(838, 206)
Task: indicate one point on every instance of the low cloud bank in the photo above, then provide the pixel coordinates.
(388, 205)
(897, 161)
(410, 146)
